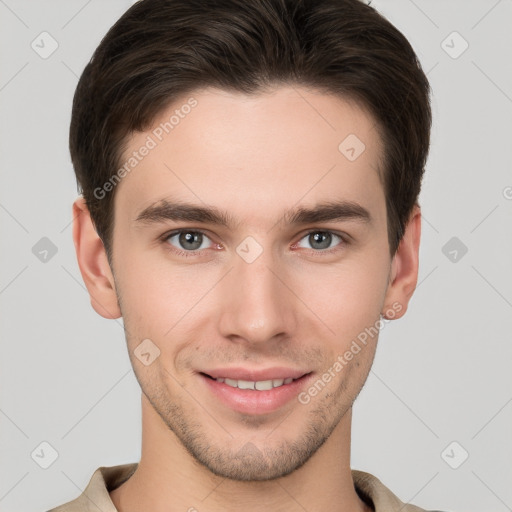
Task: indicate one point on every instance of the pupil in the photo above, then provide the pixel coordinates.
(322, 239)
(191, 239)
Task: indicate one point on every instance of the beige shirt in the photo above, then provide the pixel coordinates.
(96, 495)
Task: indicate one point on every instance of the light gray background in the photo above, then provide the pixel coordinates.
(442, 373)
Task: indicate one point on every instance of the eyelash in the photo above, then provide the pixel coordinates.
(187, 254)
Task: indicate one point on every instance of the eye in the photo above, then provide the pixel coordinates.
(188, 240)
(321, 240)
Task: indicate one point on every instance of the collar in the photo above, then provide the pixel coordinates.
(105, 479)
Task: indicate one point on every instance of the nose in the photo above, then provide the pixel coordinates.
(256, 306)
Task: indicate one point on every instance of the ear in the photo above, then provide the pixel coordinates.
(404, 269)
(93, 263)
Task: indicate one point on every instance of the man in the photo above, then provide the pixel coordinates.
(250, 175)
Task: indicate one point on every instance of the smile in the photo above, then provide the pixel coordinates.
(260, 385)
(254, 392)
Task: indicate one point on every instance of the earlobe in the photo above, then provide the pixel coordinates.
(93, 263)
(404, 269)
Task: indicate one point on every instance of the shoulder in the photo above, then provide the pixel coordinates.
(377, 495)
(96, 495)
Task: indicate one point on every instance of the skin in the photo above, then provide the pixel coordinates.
(296, 305)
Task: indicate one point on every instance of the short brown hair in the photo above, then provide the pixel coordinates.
(160, 50)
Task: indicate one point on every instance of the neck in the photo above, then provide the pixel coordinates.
(169, 479)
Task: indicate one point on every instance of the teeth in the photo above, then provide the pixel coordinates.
(260, 385)
(264, 385)
(246, 384)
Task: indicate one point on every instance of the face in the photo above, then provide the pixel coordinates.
(251, 252)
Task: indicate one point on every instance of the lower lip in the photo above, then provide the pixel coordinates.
(251, 401)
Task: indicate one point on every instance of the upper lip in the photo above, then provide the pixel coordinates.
(255, 375)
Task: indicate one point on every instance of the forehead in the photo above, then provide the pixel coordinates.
(277, 148)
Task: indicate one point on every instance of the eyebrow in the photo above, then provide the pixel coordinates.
(180, 211)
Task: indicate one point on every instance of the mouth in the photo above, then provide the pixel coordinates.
(254, 392)
(258, 385)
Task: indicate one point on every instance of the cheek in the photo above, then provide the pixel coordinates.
(160, 301)
(163, 301)
(347, 298)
